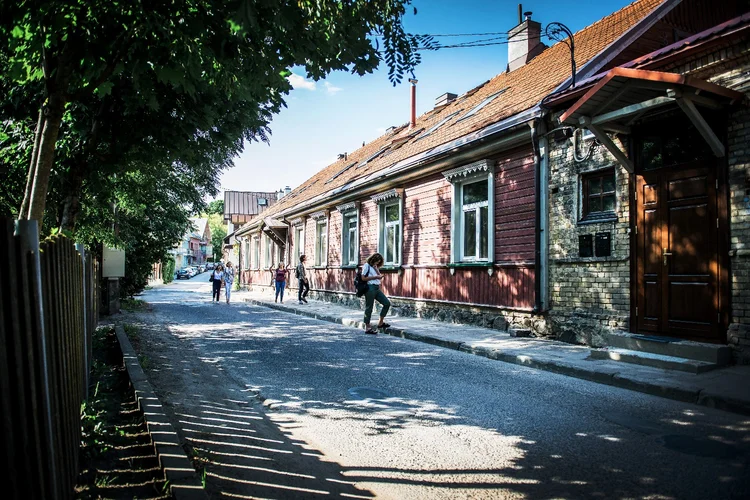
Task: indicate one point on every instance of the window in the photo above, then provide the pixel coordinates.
(391, 248)
(245, 254)
(267, 253)
(373, 156)
(474, 220)
(256, 252)
(321, 242)
(472, 214)
(341, 172)
(599, 194)
(349, 239)
(299, 242)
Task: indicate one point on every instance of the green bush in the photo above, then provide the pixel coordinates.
(167, 270)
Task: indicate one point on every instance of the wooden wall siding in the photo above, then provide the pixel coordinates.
(508, 287)
(368, 229)
(515, 229)
(334, 238)
(427, 221)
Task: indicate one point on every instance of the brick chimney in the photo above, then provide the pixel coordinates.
(524, 41)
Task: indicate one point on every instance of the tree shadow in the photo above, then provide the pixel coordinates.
(548, 447)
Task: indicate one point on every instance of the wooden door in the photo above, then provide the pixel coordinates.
(677, 291)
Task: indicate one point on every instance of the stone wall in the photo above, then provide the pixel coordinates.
(486, 317)
(589, 296)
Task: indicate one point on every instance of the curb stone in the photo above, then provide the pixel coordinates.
(178, 469)
(608, 376)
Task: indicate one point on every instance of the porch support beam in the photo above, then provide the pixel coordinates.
(603, 138)
(618, 114)
(703, 127)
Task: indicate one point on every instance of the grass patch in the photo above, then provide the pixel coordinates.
(134, 305)
(117, 458)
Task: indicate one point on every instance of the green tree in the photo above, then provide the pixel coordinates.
(200, 57)
(218, 232)
(216, 207)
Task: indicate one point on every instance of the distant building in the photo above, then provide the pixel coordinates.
(243, 206)
(195, 245)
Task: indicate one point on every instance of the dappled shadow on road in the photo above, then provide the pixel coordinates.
(510, 452)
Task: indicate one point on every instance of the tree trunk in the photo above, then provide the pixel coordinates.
(72, 203)
(24, 211)
(46, 156)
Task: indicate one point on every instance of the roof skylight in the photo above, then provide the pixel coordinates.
(373, 156)
(438, 124)
(482, 104)
(341, 172)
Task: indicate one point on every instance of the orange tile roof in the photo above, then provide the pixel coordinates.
(526, 86)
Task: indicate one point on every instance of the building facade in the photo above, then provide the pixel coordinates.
(505, 207)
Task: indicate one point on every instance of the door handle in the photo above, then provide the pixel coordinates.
(665, 255)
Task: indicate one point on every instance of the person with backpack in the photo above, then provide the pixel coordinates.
(371, 275)
(228, 280)
(301, 275)
(281, 276)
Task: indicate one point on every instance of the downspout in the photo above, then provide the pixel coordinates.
(540, 171)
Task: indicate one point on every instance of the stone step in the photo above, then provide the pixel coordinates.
(717, 354)
(653, 360)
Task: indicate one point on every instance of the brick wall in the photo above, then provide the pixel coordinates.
(588, 295)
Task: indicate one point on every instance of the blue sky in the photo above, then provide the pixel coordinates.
(334, 116)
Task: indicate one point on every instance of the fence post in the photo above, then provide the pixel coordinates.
(27, 232)
(86, 333)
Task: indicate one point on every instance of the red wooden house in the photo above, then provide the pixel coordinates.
(456, 200)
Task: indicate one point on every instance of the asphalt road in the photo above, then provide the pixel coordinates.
(393, 418)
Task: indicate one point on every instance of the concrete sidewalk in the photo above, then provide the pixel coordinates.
(727, 388)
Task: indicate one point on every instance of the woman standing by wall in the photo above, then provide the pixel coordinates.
(228, 280)
(281, 277)
(371, 275)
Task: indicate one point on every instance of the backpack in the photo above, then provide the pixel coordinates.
(360, 285)
(296, 271)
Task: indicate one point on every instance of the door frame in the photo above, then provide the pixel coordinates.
(723, 244)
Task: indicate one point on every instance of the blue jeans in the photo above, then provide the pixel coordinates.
(280, 285)
(228, 289)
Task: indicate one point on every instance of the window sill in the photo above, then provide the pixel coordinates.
(319, 267)
(352, 266)
(471, 264)
(598, 218)
(390, 269)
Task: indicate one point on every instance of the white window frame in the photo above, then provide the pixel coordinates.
(459, 177)
(245, 254)
(321, 243)
(268, 252)
(255, 244)
(299, 242)
(394, 197)
(476, 208)
(349, 211)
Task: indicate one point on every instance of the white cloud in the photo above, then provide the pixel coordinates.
(300, 82)
(332, 89)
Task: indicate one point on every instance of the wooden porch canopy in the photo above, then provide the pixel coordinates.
(276, 230)
(622, 96)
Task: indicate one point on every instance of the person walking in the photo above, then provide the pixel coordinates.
(217, 275)
(371, 275)
(228, 280)
(304, 284)
(281, 276)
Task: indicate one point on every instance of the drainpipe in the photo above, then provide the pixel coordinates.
(540, 215)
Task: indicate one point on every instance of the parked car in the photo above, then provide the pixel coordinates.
(210, 266)
(201, 268)
(194, 271)
(184, 273)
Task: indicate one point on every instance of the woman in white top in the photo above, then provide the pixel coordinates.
(228, 280)
(371, 275)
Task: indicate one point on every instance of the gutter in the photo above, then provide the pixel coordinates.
(537, 216)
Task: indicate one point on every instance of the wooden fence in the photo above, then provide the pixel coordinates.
(48, 312)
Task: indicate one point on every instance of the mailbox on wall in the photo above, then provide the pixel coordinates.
(603, 244)
(585, 245)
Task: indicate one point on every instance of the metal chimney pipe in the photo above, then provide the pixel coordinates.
(413, 121)
(520, 13)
